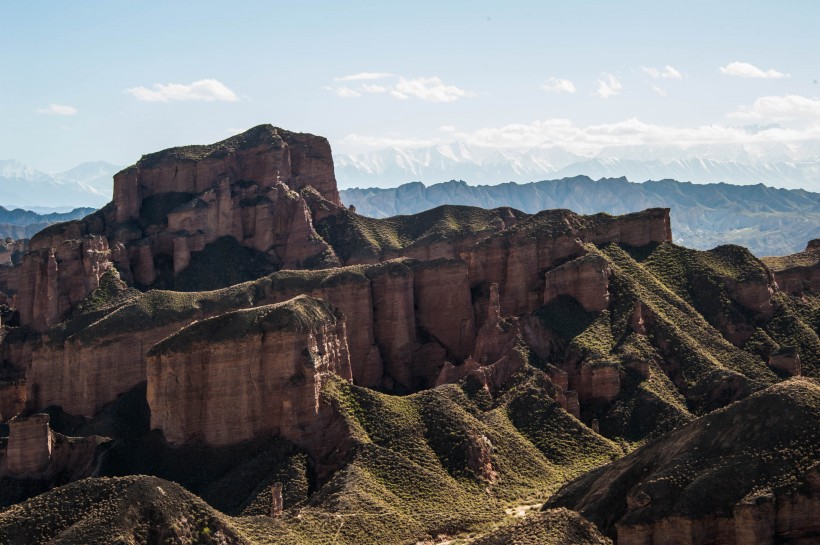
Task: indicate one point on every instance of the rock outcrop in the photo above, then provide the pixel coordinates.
(34, 451)
(228, 300)
(175, 203)
(786, 360)
(495, 358)
(443, 306)
(28, 452)
(585, 279)
(247, 373)
(83, 374)
(394, 323)
(264, 154)
(51, 280)
(12, 251)
(797, 273)
(599, 381)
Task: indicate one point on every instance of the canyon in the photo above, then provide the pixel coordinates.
(227, 307)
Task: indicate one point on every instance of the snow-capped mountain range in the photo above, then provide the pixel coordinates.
(781, 165)
(86, 185)
(776, 167)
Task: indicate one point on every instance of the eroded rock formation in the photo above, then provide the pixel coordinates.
(12, 399)
(249, 372)
(799, 272)
(585, 279)
(52, 279)
(177, 202)
(264, 155)
(29, 448)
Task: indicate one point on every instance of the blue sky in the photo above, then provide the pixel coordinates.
(112, 80)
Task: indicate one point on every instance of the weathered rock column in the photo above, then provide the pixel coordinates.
(29, 447)
(277, 503)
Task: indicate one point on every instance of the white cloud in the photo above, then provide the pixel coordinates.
(369, 88)
(667, 72)
(428, 89)
(746, 70)
(659, 90)
(608, 86)
(447, 128)
(365, 76)
(585, 140)
(346, 92)
(360, 142)
(431, 89)
(558, 85)
(780, 108)
(205, 90)
(57, 109)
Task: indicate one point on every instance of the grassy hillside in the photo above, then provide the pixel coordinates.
(439, 462)
(763, 444)
(416, 470)
(122, 511)
(356, 236)
(704, 279)
(684, 339)
(552, 527)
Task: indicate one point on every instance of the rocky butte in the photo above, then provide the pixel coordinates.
(228, 324)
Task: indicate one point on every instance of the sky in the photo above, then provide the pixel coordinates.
(112, 80)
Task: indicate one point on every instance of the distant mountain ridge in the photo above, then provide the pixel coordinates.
(767, 220)
(19, 223)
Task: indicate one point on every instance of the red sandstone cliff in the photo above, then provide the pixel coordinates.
(413, 322)
(173, 203)
(399, 305)
(51, 280)
(248, 372)
(265, 155)
(401, 341)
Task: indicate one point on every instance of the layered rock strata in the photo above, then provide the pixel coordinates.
(585, 279)
(34, 451)
(248, 373)
(51, 280)
(174, 203)
(272, 193)
(401, 342)
(28, 452)
(264, 154)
